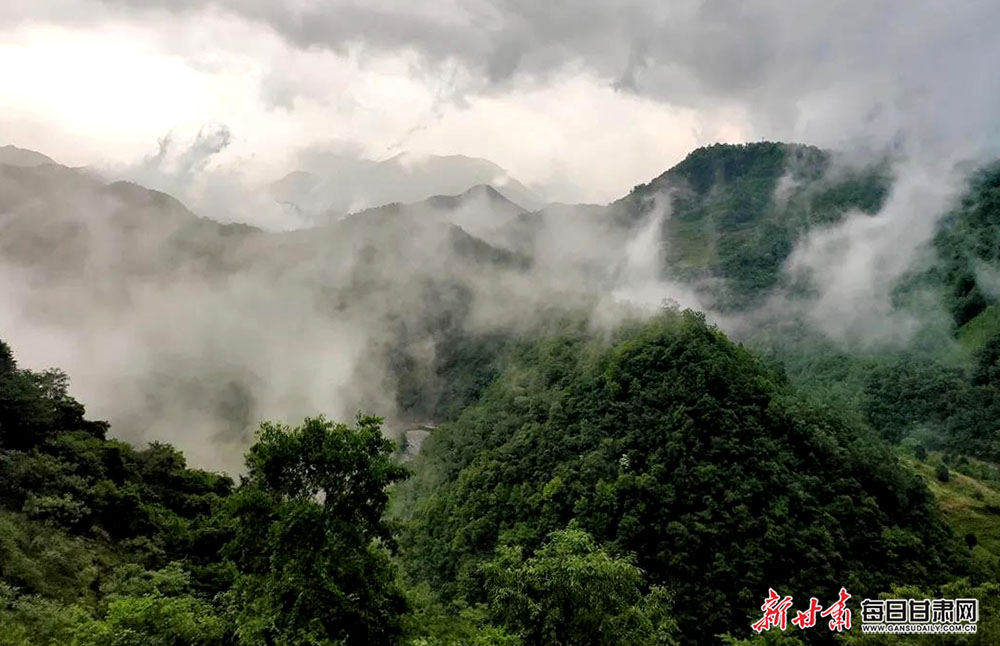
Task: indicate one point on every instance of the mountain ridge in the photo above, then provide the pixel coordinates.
(339, 185)
(14, 156)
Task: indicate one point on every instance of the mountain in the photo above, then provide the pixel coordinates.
(736, 212)
(426, 292)
(340, 184)
(14, 156)
(590, 465)
(185, 301)
(481, 192)
(721, 223)
(967, 250)
(50, 205)
(669, 442)
(62, 220)
(481, 211)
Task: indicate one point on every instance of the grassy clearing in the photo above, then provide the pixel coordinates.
(974, 334)
(971, 504)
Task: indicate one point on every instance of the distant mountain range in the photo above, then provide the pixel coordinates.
(221, 322)
(233, 321)
(727, 217)
(338, 185)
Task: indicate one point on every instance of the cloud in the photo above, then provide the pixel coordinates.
(176, 329)
(692, 53)
(169, 168)
(580, 100)
(800, 70)
(85, 73)
(191, 171)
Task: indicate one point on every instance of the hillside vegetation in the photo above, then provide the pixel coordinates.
(632, 479)
(736, 211)
(670, 443)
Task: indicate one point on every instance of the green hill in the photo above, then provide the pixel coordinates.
(669, 442)
(966, 249)
(736, 211)
(638, 481)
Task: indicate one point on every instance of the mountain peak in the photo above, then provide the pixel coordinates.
(704, 166)
(477, 192)
(14, 156)
(486, 190)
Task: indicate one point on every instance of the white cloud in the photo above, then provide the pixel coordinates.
(104, 91)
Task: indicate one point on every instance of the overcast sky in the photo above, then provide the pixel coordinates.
(580, 99)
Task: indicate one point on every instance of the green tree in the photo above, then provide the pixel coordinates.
(153, 608)
(670, 442)
(310, 545)
(573, 592)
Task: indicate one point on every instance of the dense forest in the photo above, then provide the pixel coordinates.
(640, 481)
(101, 543)
(597, 488)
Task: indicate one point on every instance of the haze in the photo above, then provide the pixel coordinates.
(301, 119)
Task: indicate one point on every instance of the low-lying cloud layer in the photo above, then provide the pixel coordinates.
(856, 264)
(176, 328)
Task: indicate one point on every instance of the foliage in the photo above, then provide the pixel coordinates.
(737, 210)
(158, 608)
(951, 407)
(573, 592)
(585, 481)
(671, 443)
(966, 243)
(970, 500)
(309, 540)
(105, 544)
(432, 623)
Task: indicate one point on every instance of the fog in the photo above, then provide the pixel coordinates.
(177, 329)
(296, 125)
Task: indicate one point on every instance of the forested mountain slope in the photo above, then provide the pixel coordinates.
(736, 211)
(669, 442)
(652, 465)
(674, 473)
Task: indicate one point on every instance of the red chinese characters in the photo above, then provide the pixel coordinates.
(775, 612)
(776, 608)
(807, 618)
(839, 613)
